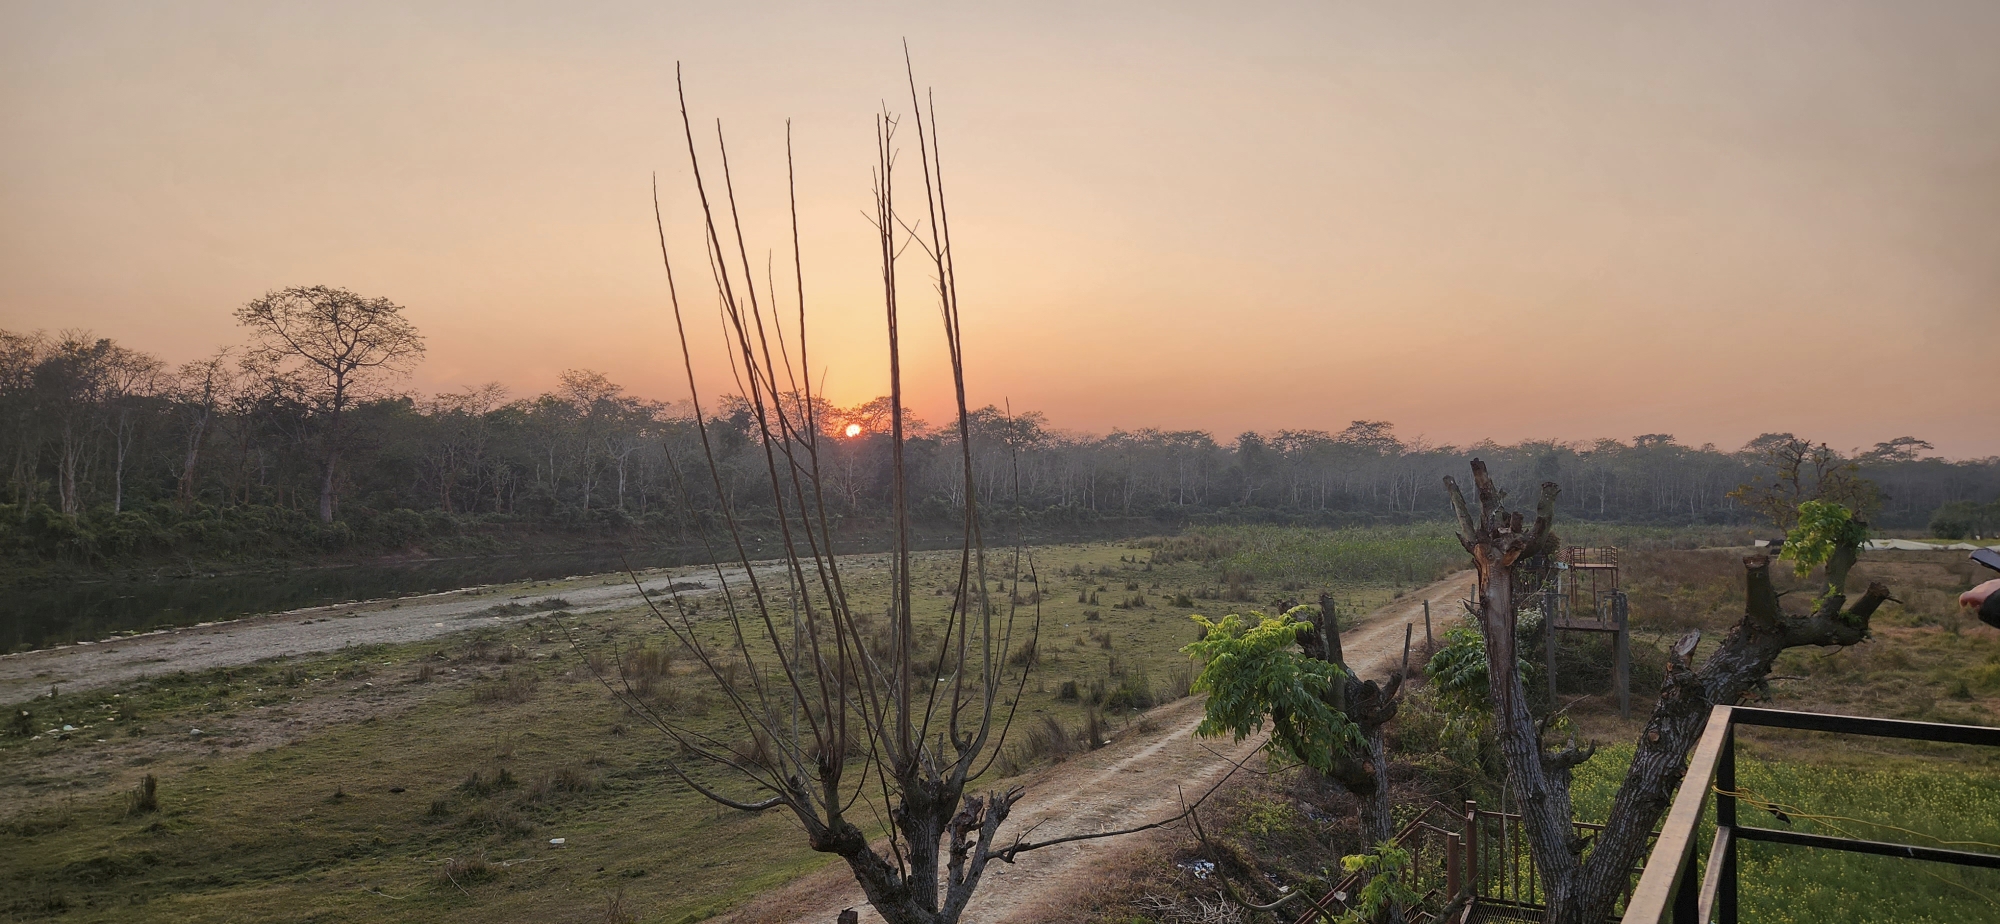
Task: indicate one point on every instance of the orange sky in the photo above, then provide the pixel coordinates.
(1515, 220)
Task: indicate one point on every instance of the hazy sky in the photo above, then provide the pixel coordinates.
(1507, 220)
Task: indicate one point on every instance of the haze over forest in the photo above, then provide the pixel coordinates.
(1710, 220)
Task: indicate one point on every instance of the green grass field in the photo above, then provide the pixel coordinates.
(425, 782)
(1934, 802)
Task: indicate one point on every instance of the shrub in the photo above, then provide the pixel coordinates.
(1133, 691)
(1961, 519)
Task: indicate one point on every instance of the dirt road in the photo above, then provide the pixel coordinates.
(1137, 779)
(329, 628)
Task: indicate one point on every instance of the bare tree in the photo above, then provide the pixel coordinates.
(841, 720)
(338, 347)
(1584, 878)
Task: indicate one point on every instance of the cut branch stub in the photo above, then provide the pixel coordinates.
(1499, 537)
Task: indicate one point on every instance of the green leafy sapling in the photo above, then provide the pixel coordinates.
(1828, 534)
(1385, 893)
(1254, 671)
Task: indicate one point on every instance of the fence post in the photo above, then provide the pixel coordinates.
(1623, 656)
(1551, 605)
(1428, 644)
(1453, 869)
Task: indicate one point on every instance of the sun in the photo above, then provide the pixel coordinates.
(853, 429)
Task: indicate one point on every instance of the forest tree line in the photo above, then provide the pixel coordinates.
(111, 451)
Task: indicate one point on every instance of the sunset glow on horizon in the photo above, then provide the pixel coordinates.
(1546, 220)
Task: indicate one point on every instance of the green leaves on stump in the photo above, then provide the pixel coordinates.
(1255, 672)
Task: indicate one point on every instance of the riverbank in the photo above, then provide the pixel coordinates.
(75, 604)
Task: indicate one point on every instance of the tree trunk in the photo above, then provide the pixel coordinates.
(66, 488)
(326, 488)
(122, 438)
(188, 462)
(1370, 706)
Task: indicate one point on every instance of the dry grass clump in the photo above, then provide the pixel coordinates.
(566, 780)
(501, 820)
(648, 673)
(460, 872)
(514, 687)
(1049, 741)
(755, 750)
(145, 797)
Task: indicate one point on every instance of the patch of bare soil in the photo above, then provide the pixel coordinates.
(1137, 779)
(329, 628)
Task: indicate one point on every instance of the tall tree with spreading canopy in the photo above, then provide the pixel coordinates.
(1584, 878)
(336, 348)
(1795, 470)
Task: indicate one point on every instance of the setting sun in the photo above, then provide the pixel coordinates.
(853, 429)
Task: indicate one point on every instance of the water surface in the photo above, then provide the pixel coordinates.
(38, 617)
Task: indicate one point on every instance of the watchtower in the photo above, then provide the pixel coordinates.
(1585, 598)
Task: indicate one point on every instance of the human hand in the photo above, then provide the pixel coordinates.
(1976, 597)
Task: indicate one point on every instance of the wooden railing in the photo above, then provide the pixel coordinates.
(1674, 888)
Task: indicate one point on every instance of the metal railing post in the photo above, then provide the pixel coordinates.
(1472, 848)
(1687, 897)
(1725, 819)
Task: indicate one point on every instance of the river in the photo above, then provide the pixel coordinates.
(54, 614)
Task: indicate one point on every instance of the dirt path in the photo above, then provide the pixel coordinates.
(1137, 779)
(328, 628)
